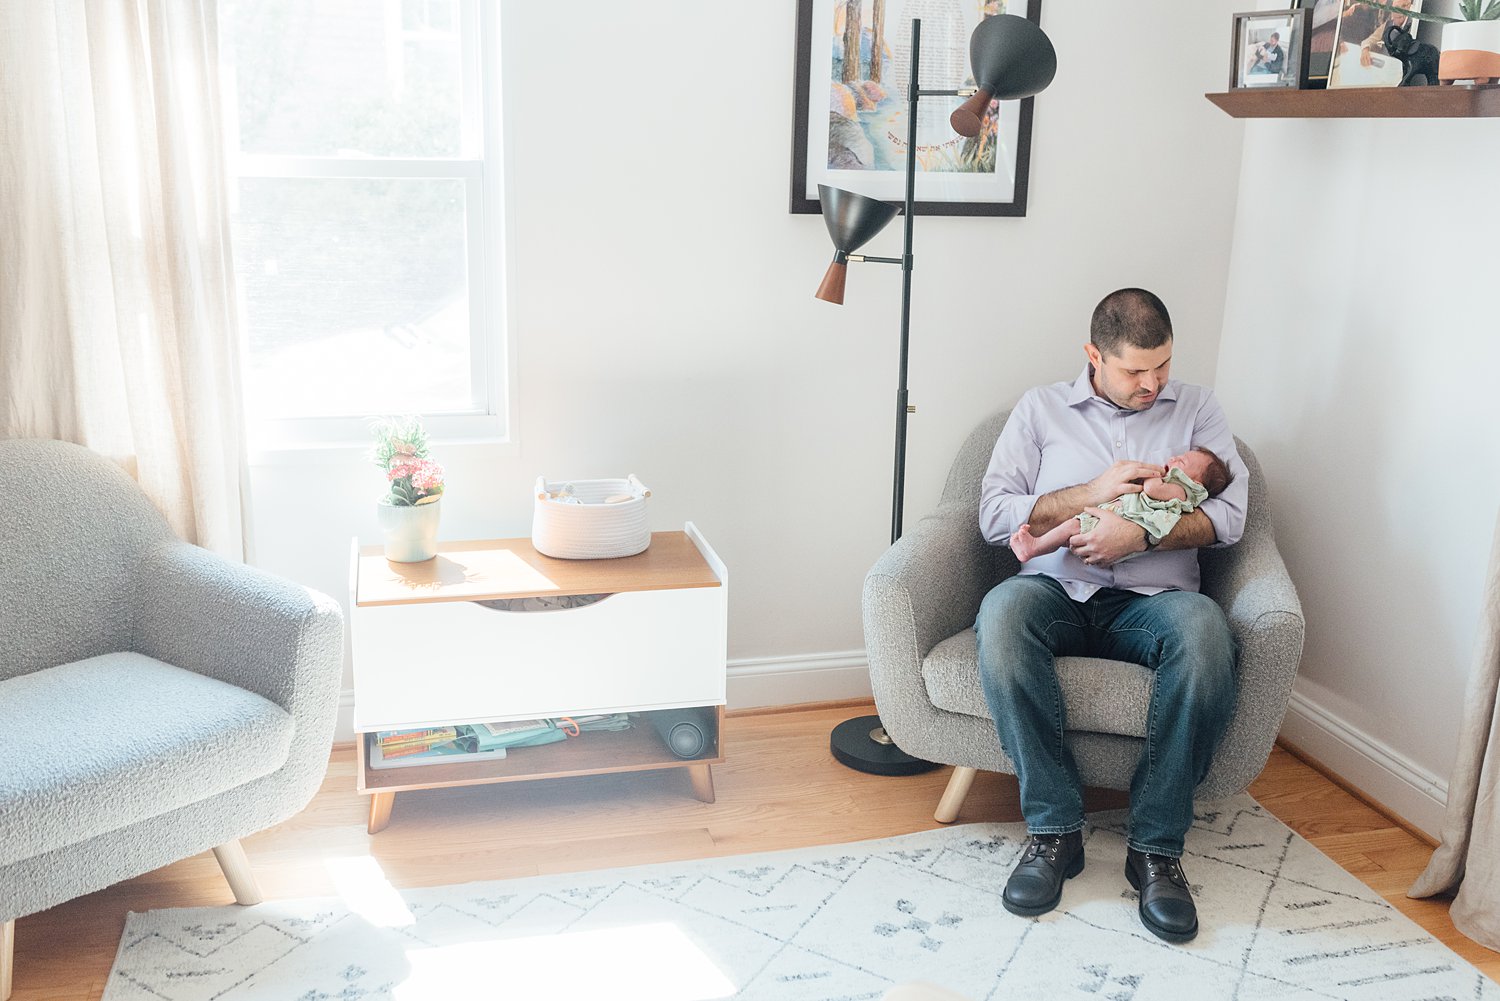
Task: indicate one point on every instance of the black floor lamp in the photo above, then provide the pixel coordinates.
(1011, 59)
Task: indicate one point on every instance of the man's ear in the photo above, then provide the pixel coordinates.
(1092, 353)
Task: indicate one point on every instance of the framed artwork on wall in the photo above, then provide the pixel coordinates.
(1360, 58)
(1269, 48)
(849, 117)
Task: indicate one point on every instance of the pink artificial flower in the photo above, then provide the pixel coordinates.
(427, 476)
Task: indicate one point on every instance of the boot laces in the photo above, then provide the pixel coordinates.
(1047, 845)
(1164, 865)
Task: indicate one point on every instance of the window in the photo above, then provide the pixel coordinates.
(362, 241)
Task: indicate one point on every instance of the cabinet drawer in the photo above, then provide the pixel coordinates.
(457, 661)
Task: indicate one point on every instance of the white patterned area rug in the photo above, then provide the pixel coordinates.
(1280, 920)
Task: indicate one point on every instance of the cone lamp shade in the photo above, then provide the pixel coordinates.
(1011, 58)
(852, 221)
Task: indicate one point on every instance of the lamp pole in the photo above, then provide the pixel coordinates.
(1012, 59)
(903, 409)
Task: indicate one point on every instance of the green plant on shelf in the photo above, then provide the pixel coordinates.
(1470, 10)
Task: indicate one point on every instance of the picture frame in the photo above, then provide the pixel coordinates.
(1322, 33)
(1268, 49)
(852, 134)
(1359, 56)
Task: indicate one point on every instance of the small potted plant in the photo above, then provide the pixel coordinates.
(409, 510)
(1471, 41)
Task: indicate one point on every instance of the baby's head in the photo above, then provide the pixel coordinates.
(1199, 464)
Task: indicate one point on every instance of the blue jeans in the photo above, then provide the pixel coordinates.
(1026, 621)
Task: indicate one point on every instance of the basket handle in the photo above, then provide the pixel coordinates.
(541, 488)
(640, 487)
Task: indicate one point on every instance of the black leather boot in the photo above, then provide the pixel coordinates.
(1035, 885)
(1167, 908)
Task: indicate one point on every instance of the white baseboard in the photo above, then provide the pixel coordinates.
(786, 681)
(753, 682)
(1380, 772)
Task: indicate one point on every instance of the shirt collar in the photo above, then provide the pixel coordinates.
(1083, 390)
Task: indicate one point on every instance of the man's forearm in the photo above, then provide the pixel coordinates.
(1051, 510)
(1192, 531)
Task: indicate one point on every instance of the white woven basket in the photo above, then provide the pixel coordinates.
(593, 529)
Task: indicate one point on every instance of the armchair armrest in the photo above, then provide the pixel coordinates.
(925, 588)
(240, 625)
(1251, 584)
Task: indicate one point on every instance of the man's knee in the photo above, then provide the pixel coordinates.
(1013, 608)
(1200, 625)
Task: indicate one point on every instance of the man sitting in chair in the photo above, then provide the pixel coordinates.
(1123, 413)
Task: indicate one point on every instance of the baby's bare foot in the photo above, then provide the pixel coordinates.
(1023, 543)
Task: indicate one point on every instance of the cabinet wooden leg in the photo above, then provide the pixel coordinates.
(380, 810)
(953, 796)
(703, 782)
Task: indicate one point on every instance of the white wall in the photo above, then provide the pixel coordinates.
(665, 325)
(1359, 357)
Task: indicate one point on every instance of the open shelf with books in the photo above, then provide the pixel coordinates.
(640, 748)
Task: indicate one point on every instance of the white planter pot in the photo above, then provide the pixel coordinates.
(410, 532)
(1471, 51)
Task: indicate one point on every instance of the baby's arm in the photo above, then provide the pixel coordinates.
(1159, 489)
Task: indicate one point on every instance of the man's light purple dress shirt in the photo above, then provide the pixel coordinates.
(1064, 434)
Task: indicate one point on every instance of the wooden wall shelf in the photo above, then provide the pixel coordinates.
(1369, 102)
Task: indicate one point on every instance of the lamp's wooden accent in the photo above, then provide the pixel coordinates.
(954, 795)
(509, 568)
(832, 287)
(968, 118)
(236, 866)
(7, 956)
(1362, 102)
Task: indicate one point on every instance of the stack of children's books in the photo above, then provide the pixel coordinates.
(468, 742)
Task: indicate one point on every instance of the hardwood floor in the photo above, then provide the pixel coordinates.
(779, 788)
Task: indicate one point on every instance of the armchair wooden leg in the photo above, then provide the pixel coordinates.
(7, 956)
(953, 796)
(237, 873)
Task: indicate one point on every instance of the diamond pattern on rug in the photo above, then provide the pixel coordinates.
(1280, 921)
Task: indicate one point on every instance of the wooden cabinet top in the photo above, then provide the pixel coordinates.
(511, 568)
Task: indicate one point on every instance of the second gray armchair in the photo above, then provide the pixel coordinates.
(158, 701)
(920, 600)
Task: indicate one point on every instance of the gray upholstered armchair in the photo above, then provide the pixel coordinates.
(155, 700)
(920, 600)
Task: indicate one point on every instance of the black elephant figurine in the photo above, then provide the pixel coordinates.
(1418, 59)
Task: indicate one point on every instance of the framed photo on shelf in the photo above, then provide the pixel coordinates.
(850, 108)
(1360, 58)
(1322, 33)
(1269, 49)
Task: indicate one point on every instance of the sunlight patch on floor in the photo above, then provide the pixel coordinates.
(361, 884)
(649, 962)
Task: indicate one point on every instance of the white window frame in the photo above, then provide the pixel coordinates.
(478, 166)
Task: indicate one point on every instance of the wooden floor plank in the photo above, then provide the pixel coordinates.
(778, 788)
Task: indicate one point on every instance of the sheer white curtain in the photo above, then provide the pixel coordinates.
(1468, 860)
(117, 303)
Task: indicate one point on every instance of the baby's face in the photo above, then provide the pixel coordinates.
(1194, 465)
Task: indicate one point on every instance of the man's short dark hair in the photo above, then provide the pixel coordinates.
(1129, 317)
(1217, 476)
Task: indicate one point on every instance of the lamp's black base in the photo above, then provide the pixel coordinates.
(861, 744)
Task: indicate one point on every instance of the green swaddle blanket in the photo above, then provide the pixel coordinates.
(1155, 516)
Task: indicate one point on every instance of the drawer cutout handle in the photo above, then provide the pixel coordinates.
(543, 603)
